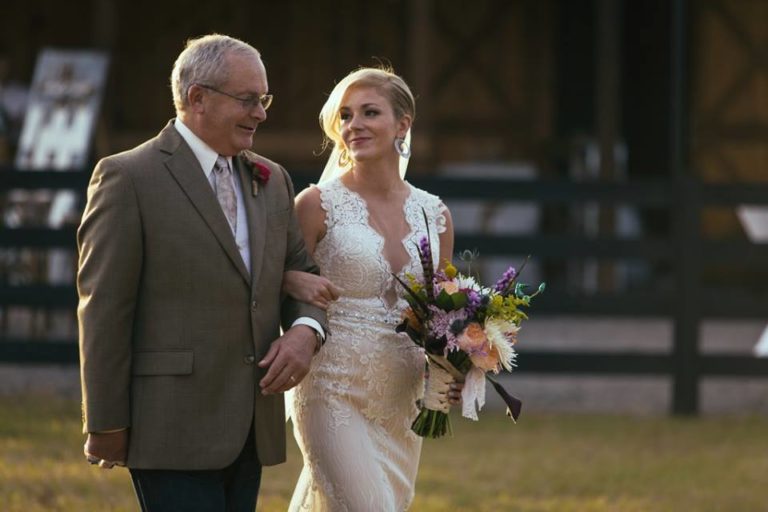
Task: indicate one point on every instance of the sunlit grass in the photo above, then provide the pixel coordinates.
(546, 463)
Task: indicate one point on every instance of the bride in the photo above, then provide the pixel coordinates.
(362, 223)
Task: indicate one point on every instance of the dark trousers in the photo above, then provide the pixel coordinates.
(232, 489)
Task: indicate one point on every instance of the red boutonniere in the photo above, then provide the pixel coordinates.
(259, 172)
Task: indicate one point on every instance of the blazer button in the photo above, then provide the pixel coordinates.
(249, 359)
(254, 305)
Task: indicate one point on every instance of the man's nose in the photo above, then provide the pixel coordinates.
(259, 112)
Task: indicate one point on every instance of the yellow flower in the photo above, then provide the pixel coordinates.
(505, 308)
(414, 283)
(450, 271)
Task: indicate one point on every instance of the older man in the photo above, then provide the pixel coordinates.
(183, 245)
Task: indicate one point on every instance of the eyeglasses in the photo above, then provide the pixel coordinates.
(265, 100)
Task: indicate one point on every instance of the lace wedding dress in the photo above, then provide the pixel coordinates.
(352, 413)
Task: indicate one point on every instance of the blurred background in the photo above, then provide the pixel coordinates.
(622, 144)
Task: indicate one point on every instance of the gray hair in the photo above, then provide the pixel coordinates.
(203, 62)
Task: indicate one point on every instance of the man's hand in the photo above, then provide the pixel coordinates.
(288, 359)
(107, 449)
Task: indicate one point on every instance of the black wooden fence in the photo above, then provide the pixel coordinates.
(684, 300)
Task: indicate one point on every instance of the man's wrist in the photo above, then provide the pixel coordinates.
(317, 337)
(317, 329)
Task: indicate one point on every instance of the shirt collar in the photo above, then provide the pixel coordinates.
(202, 151)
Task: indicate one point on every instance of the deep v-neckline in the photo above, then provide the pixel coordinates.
(382, 240)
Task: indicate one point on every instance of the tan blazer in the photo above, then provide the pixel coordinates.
(171, 324)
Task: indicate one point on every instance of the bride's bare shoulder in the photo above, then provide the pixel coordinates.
(309, 198)
(310, 212)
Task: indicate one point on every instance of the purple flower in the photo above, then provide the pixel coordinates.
(473, 302)
(448, 324)
(503, 283)
(426, 250)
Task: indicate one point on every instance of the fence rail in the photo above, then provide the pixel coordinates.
(683, 299)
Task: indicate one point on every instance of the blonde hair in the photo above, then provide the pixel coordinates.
(384, 80)
(203, 62)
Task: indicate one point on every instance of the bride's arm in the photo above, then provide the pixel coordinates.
(310, 288)
(303, 286)
(311, 215)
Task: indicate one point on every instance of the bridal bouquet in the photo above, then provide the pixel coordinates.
(468, 332)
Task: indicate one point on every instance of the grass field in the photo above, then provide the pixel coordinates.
(546, 463)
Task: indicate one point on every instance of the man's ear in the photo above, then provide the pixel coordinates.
(195, 95)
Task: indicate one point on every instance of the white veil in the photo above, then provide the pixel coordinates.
(333, 170)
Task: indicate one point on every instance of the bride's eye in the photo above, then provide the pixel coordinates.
(371, 113)
(344, 116)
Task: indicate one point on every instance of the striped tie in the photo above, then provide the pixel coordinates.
(225, 191)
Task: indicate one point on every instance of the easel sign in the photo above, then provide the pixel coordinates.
(65, 97)
(754, 219)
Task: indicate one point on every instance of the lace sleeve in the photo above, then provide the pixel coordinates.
(434, 207)
(326, 203)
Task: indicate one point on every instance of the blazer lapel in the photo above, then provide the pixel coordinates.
(187, 172)
(256, 211)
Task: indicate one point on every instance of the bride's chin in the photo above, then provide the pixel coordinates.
(368, 158)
